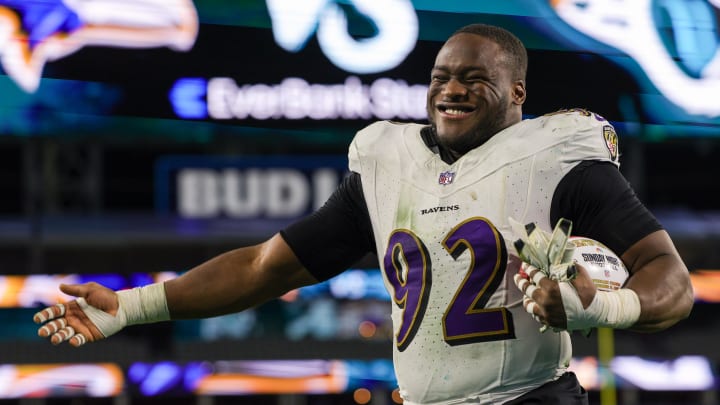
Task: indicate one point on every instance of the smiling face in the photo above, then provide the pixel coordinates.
(473, 93)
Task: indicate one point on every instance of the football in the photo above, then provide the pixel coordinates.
(605, 267)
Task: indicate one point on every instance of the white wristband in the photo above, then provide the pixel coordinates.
(138, 305)
(144, 304)
(618, 309)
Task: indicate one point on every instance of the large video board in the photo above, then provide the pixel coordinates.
(188, 69)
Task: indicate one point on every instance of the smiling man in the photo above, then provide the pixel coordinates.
(434, 203)
(476, 90)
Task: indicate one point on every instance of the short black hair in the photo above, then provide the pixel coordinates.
(513, 47)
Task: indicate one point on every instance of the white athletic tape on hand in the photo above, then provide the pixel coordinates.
(63, 334)
(521, 282)
(49, 313)
(80, 338)
(54, 326)
(106, 323)
(530, 290)
(40, 317)
(67, 333)
(530, 307)
(145, 304)
(138, 305)
(58, 324)
(538, 276)
(614, 309)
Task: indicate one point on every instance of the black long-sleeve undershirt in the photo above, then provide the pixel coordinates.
(594, 195)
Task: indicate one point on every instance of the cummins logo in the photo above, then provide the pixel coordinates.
(295, 21)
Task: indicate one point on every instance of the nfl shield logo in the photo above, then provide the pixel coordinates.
(446, 178)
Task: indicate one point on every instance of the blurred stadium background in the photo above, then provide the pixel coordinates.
(138, 139)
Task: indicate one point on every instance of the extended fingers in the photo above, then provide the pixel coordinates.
(49, 313)
(55, 326)
(68, 334)
(52, 327)
(62, 335)
(78, 340)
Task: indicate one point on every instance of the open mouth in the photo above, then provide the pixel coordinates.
(455, 110)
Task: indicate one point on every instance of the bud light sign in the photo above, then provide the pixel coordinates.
(246, 187)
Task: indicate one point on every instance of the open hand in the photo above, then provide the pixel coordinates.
(69, 321)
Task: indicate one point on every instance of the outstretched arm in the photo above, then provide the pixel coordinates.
(236, 280)
(230, 282)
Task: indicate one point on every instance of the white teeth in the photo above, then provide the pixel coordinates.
(454, 112)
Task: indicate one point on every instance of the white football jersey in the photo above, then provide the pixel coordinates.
(445, 248)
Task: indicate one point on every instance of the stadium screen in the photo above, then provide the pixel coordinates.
(184, 70)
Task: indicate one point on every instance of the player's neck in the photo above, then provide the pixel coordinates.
(430, 138)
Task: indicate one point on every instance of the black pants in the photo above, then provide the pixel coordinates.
(566, 390)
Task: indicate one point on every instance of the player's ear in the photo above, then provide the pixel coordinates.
(518, 92)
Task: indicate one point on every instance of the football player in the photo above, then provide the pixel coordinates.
(434, 203)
